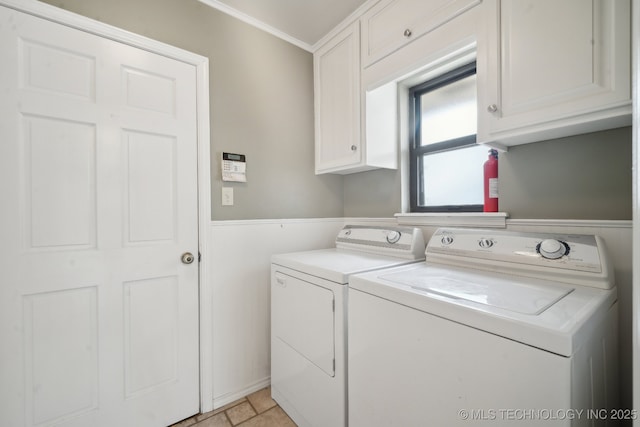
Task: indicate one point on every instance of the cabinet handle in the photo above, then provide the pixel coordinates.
(354, 148)
(407, 33)
(492, 108)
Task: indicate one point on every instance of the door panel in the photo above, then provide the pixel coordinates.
(150, 334)
(61, 355)
(59, 173)
(98, 180)
(150, 214)
(149, 91)
(57, 69)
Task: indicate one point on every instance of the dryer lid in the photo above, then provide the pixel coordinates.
(336, 265)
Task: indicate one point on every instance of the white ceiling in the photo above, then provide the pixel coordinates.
(301, 22)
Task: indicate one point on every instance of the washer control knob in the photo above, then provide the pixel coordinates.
(393, 236)
(552, 249)
(446, 240)
(485, 243)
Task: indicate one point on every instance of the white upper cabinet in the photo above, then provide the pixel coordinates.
(545, 68)
(340, 141)
(391, 24)
(337, 102)
(554, 68)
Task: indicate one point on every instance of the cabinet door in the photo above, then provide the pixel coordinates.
(556, 69)
(393, 23)
(337, 102)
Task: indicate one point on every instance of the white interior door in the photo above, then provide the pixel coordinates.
(98, 186)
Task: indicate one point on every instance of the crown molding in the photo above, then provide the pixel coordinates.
(354, 16)
(257, 23)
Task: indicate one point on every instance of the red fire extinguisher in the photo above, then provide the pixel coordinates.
(491, 182)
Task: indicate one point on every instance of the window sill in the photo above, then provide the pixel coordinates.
(455, 219)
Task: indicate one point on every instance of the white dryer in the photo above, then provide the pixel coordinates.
(309, 323)
(496, 327)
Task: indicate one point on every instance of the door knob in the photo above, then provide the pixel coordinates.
(187, 258)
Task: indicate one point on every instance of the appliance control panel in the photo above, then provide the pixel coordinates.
(403, 242)
(573, 256)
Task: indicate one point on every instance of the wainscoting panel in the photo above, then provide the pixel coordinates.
(240, 278)
(240, 260)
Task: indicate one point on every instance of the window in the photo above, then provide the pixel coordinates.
(446, 164)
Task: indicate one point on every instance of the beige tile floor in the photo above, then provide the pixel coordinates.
(255, 410)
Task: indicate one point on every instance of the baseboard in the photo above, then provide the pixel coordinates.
(225, 399)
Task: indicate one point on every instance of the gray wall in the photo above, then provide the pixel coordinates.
(579, 177)
(261, 95)
(373, 194)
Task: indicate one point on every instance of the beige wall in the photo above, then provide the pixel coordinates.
(261, 96)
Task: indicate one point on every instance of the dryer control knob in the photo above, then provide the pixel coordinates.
(552, 249)
(393, 236)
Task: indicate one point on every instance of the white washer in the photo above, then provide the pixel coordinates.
(495, 327)
(308, 318)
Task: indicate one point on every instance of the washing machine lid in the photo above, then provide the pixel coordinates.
(552, 316)
(336, 264)
(492, 292)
